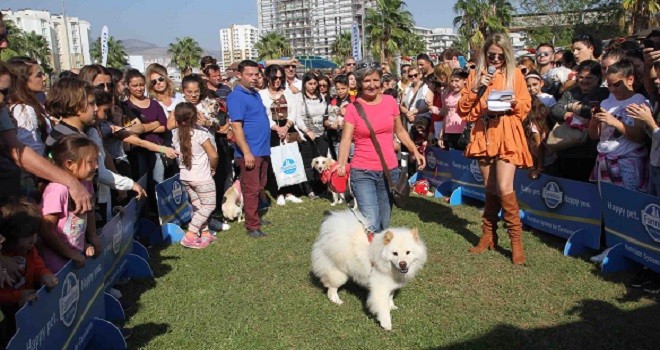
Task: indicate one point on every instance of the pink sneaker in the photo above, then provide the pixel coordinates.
(194, 243)
(208, 236)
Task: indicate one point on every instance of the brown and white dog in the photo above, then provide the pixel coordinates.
(326, 167)
(232, 202)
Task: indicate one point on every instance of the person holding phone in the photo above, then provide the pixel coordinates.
(497, 139)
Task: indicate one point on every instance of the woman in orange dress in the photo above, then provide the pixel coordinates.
(498, 139)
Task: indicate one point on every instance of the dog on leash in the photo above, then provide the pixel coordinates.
(327, 168)
(232, 202)
(343, 250)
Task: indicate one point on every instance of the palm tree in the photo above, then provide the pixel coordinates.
(389, 25)
(477, 19)
(341, 48)
(641, 14)
(16, 39)
(116, 53)
(185, 53)
(36, 46)
(273, 45)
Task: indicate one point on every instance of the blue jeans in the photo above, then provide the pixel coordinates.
(373, 197)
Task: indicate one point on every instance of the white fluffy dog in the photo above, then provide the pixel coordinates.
(343, 251)
(232, 203)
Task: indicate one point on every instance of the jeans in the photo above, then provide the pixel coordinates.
(372, 193)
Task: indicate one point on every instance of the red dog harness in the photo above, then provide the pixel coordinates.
(338, 184)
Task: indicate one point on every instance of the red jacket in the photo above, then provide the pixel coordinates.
(34, 268)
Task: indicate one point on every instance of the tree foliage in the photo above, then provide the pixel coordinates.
(640, 14)
(116, 53)
(185, 52)
(389, 27)
(30, 44)
(478, 19)
(273, 45)
(341, 48)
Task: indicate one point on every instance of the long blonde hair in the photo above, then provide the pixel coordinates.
(162, 71)
(509, 69)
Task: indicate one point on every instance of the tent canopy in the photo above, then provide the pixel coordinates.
(316, 62)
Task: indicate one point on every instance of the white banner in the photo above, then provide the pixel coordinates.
(356, 42)
(104, 46)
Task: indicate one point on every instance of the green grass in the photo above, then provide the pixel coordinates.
(244, 293)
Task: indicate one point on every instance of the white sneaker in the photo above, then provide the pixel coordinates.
(280, 200)
(225, 226)
(293, 199)
(115, 293)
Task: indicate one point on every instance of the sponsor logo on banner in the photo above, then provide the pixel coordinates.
(476, 172)
(69, 299)
(552, 195)
(289, 166)
(431, 161)
(651, 220)
(177, 192)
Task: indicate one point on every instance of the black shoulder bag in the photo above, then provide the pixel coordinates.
(401, 189)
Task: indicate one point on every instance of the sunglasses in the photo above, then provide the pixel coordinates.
(413, 75)
(351, 64)
(4, 92)
(156, 81)
(542, 54)
(524, 70)
(492, 56)
(472, 66)
(105, 86)
(277, 77)
(323, 85)
(375, 65)
(290, 66)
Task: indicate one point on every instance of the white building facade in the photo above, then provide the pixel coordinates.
(311, 26)
(68, 40)
(437, 39)
(237, 44)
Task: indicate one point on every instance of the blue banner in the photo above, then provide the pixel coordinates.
(438, 166)
(63, 317)
(560, 206)
(465, 174)
(356, 42)
(172, 199)
(632, 219)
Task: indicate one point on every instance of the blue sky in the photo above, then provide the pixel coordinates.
(160, 21)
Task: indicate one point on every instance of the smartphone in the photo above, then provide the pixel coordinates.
(595, 106)
(650, 43)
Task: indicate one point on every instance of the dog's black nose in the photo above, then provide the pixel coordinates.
(403, 264)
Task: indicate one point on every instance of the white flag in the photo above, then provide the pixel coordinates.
(356, 42)
(104, 46)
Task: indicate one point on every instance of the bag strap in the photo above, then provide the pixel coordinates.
(363, 115)
(412, 100)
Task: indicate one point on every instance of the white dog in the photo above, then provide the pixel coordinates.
(232, 203)
(343, 251)
(325, 167)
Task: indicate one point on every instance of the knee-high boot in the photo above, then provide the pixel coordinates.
(488, 224)
(514, 226)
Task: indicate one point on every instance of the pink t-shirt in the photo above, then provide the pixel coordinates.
(70, 228)
(200, 169)
(381, 116)
(454, 124)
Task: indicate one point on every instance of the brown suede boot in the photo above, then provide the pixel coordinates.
(511, 217)
(488, 224)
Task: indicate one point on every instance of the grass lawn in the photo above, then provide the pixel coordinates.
(244, 293)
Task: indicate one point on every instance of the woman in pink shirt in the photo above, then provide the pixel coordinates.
(367, 179)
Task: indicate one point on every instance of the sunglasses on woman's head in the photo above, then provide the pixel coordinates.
(492, 56)
(158, 80)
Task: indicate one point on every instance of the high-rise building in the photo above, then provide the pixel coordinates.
(68, 42)
(237, 44)
(310, 26)
(437, 39)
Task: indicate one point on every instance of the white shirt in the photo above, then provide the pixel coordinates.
(106, 178)
(296, 82)
(612, 143)
(27, 130)
(547, 99)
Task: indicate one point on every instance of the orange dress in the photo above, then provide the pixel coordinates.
(505, 138)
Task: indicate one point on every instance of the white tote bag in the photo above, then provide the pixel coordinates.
(287, 164)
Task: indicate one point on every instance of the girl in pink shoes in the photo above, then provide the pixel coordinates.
(198, 159)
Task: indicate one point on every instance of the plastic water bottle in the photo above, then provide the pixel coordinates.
(404, 161)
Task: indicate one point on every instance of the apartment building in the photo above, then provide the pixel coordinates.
(437, 39)
(237, 44)
(68, 38)
(311, 26)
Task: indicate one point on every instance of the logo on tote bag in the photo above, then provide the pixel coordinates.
(289, 166)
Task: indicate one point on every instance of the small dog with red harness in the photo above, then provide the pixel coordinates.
(337, 185)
